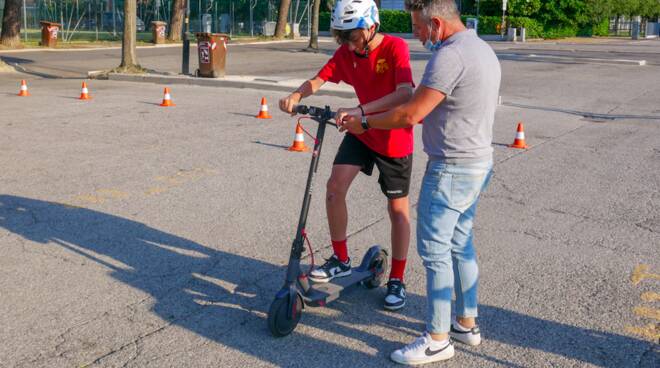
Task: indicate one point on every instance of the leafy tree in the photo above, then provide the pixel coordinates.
(314, 32)
(280, 27)
(176, 20)
(129, 61)
(564, 13)
(11, 24)
(523, 8)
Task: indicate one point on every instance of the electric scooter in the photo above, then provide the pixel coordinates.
(285, 311)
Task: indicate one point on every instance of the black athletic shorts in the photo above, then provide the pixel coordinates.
(394, 178)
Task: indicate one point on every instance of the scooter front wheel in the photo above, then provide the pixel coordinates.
(279, 322)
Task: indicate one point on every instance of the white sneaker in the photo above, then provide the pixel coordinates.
(424, 350)
(469, 336)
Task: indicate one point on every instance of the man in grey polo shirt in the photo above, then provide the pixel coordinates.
(456, 100)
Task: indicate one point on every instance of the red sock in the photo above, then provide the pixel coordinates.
(398, 266)
(341, 250)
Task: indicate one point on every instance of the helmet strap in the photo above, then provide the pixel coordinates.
(366, 47)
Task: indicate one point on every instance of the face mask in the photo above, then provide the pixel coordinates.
(432, 46)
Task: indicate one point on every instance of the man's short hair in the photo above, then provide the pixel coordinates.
(445, 9)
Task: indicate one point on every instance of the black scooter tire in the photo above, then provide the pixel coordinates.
(278, 322)
(379, 265)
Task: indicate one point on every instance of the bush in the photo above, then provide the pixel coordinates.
(534, 28)
(398, 21)
(324, 21)
(395, 21)
(559, 32)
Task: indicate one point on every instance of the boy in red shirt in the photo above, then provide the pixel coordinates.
(378, 68)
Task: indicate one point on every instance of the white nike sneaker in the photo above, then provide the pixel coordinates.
(424, 350)
(468, 336)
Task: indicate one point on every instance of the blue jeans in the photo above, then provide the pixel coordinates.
(445, 214)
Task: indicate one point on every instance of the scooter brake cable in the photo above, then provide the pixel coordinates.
(311, 251)
(305, 130)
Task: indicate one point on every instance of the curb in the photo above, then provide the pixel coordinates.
(248, 82)
(539, 57)
(162, 46)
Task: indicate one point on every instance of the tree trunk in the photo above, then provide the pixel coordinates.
(128, 53)
(314, 32)
(280, 28)
(176, 20)
(11, 24)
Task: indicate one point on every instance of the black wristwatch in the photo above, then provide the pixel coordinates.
(364, 123)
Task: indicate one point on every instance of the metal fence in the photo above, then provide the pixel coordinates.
(103, 19)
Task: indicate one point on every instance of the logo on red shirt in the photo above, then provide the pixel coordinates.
(381, 66)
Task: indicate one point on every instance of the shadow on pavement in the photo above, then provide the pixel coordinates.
(224, 297)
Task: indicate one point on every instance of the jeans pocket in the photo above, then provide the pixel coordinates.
(465, 189)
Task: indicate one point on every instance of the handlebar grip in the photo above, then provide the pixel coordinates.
(301, 109)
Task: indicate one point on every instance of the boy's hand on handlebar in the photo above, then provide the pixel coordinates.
(343, 112)
(352, 124)
(288, 103)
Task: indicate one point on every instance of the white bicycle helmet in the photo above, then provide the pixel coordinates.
(353, 14)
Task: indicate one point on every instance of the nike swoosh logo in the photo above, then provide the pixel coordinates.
(430, 352)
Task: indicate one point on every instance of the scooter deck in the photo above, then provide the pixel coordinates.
(322, 293)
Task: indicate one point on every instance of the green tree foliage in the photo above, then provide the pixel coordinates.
(524, 8)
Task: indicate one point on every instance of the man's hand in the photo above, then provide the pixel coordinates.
(352, 124)
(289, 102)
(343, 112)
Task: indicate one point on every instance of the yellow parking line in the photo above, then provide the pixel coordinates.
(641, 272)
(649, 331)
(647, 312)
(155, 190)
(650, 296)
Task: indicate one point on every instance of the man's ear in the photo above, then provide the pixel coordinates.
(437, 22)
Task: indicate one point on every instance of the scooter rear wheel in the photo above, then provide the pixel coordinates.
(378, 266)
(278, 322)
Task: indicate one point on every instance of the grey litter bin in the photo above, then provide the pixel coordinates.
(511, 35)
(472, 23)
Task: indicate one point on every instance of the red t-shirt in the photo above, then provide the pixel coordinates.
(373, 78)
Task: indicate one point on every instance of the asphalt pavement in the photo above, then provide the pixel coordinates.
(135, 235)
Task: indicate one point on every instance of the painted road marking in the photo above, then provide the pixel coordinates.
(641, 272)
(168, 182)
(101, 195)
(178, 179)
(647, 312)
(650, 331)
(650, 296)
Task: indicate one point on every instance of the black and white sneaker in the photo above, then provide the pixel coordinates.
(395, 298)
(467, 336)
(330, 269)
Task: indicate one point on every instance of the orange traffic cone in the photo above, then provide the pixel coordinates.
(167, 99)
(84, 94)
(519, 142)
(263, 113)
(299, 140)
(23, 91)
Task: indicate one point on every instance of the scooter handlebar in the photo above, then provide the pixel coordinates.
(323, 113)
